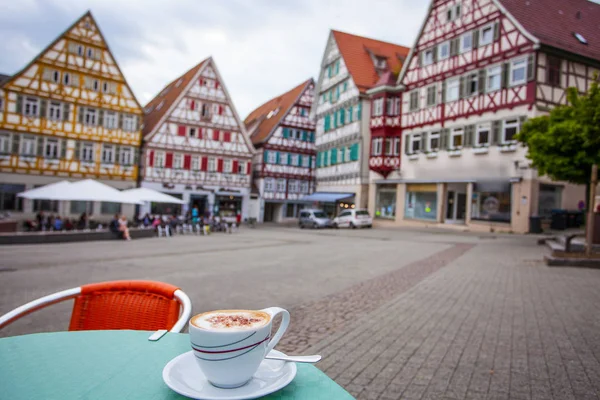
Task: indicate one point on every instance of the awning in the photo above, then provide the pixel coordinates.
(323, 197)
(86, 190)
(153, 196)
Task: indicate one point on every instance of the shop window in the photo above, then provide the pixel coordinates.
(80, 207)
(8, 197)
(421, 205)
(550, 198)
(385, 203)
(165, 208)
(110, 208)
(45, 205)
(491, 201)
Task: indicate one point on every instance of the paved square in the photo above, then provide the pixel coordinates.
(396, 313)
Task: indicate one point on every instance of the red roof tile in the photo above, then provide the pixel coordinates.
(257, 123)
(356, 52)
(554, 23)
(158, 106)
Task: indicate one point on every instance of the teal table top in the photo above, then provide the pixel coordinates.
(115, 365)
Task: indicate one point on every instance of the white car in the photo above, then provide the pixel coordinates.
(353, 219)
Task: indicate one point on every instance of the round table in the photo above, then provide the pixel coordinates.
(115, 365)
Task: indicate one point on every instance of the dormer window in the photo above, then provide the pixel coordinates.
(380, 62)
(272, 113)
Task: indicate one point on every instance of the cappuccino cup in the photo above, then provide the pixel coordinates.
(229, 345)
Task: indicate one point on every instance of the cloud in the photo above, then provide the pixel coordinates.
(262, 47)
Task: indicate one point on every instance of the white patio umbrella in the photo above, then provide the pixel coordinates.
(91, 190)
(150, 195)
(52, 191)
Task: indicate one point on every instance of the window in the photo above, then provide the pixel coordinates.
(227, 167)
(420, 205)
(428, 57)
(104, 87)
(389, 150)
(159, 159)
(471, 85)
(378, 107)
(306, 161)
(110, 120)
(377, 146)
(491, 201)
(51, 149)
(110, 208)
(434, 141)
(79, 50)
(482, 138)
(89, 116)
(452, 89)
(78, 207)
(518, 72)
(295, 159)
(414, 100)
(67, 78)
(241, 167)
(127, 156)
(87, 152)
(431, 95)
(90, 52)
(212, 164)
(31, 106)
(553, 71)
(281, 185)
(486, 35)
(28, 146)
(511, 128)
(55, 111)
(8, 197)
(380, 62)
(205, 111)
(494, 78)
(466, 42)
(45, 205)
(269, 185)
(393, 106)
(293, 186)
(397, 142)
(456, 139)
(108, 153)
(444, 50)
(415, 143)
(304, 186)
(195, 163)
(129, 123)
(453, 12)
(271, 157)
(5, 143)
(283, 158)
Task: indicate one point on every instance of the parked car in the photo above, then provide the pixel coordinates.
(353, 219)
(314, 219)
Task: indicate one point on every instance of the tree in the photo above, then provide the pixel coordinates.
(565, 144)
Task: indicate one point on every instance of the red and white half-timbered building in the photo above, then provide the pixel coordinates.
(284, 164)
(478, 70)
(68, 115)
(195, 146)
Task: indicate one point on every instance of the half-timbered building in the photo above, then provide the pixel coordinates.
(350, 66)
(478, 70)
(196, 147)
(68, 114)
(284, 164)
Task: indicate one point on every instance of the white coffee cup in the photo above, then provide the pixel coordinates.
(229, 357)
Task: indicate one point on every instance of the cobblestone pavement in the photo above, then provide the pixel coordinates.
(397, 314)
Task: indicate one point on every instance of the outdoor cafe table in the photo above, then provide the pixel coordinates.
(115, 365)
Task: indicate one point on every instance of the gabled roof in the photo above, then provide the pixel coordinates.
(357, 50)
(153, 114)
(555, 23)
(4, 78)
(257, 122)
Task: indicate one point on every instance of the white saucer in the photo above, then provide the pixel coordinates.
(184, 376)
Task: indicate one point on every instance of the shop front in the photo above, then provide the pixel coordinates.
(331, 203)
(491, 201)
(385, 202)
(421, 202)
(228, 205)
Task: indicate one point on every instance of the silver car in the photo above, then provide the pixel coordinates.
(314, 219)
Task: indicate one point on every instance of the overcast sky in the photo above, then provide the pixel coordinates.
(262, 47)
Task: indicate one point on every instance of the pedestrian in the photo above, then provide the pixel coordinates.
(238, 220)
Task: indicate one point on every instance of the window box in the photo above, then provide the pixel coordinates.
(455, 152)
(413, 157)
(481, 150)
(432, 154)
(89, 164)
(508, 147)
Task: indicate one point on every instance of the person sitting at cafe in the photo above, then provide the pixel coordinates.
(123, 227)
(68, 224)
(114, 226)
(58, 224)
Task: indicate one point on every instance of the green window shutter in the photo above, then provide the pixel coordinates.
(337, 92)
(278, 157)
(337, 67)
(327, 123)
(299, 160)
(359, 116)
(334, 115)
(350, 111)
(329, 71)
(330, 95)
(342, 116)
(304, 136)
(343, 156)
(345, 86)
(354, 152)
(333, 156)
(286, 133)
(319, 160)
(265, 156)
(289, 159)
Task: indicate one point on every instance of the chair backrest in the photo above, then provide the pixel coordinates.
(137, 305)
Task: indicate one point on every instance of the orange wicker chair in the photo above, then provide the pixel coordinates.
(138, 305)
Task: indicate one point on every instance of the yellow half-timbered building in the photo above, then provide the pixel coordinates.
(68, 114)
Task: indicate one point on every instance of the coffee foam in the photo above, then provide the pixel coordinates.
(231, 320)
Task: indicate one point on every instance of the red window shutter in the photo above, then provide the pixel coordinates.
(204, 166)
(248, 167)
(220, 165)
(217, 84)
(221, 108)
(227, 136)
(151, 158)
(169, 160)
(192, 105)
(235, 166)
(187, 161)
(201, 81)
(216, 134)
(200, 133)
(181, 130)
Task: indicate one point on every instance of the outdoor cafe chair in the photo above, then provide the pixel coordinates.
(136, 305)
